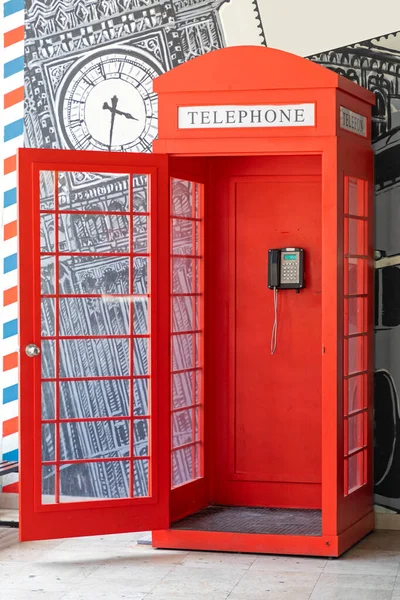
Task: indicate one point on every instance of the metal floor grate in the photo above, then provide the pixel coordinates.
(238, 519)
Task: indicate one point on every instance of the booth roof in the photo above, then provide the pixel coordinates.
(254, 68)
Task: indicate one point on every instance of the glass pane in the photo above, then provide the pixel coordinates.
(182, 466)
(197, 424)
(48, 359)
(185, 351)
(90, 399)
(182, 428)
(182, 389)
(94, 439)
(185, 237)
(47, 310)
(354, 276)
(47, 232)
(141, 478)
(355, 472)
(140, 316)
(47, 284)
(88, 275)
(356, 236)
(355, 432)
(94, 316)
(96, 192)
(198, 187)
(141, 437)
(355, 354)
(48, 400)
(140, 234)
(185, 275)
(140, 275)
(182, 198)
(47, 190)
(93, 233)
(48, 442)
(141, 356)
(48, 484)
(198, 397)
(94, 481)
(141, 397)
(354, 208)
(197, 461)
(140, 193)
(185, 313)
(94, 357)
(354, 315)
(355, 393)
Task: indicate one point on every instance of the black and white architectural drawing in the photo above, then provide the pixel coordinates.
(375, 64)
(89, 66)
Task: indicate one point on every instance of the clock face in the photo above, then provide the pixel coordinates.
(107, 103)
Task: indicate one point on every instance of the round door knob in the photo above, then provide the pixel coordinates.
(32, 350)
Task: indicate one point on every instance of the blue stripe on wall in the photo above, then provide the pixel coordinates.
(10, 328)
(10, 393)
(10, 197)
(13, 130)
(13, 66)
(12, 455)
(10, 263)
(13, 6)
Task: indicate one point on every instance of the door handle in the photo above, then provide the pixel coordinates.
(32, 350)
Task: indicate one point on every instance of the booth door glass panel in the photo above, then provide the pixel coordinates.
(94, 315)
(186, 331)
(355, 329)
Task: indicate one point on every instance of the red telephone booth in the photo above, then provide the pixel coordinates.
(151, 396)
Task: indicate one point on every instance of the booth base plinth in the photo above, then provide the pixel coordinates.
(183, 536)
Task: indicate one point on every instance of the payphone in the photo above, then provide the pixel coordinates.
(285, 272)
(286, 268)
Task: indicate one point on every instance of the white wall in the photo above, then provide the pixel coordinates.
(306, 27)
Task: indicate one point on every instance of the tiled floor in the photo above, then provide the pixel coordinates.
(116, 568)
(8, 516)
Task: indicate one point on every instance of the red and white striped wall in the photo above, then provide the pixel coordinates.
(12, 79)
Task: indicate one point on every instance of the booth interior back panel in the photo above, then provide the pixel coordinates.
(261, 403)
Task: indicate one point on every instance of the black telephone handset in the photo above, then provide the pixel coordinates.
(286, 268)
(273, 268)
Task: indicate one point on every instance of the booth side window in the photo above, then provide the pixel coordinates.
(187, 331)
(355, 333)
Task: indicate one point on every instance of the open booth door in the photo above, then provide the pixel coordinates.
(94, 269)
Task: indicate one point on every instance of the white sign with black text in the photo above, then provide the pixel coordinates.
(235, 116)
(353, 122)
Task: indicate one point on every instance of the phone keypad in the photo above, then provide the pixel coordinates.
(289, 271)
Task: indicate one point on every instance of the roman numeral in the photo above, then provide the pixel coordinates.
(102, 70)
(84, 143)
(88, 81)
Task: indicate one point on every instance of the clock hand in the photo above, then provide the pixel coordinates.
(127, 115)
(112, 109)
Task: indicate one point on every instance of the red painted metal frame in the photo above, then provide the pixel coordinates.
(197, 296)
(39, 521)
(193, 495)
(232, 77)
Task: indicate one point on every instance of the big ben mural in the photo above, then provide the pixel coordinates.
(89, 67)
